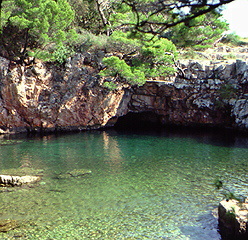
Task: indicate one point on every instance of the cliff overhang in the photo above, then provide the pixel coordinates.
(45, 97)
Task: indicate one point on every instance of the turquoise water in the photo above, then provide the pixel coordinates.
(150, 185)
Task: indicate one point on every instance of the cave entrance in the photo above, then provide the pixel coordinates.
(139, 121)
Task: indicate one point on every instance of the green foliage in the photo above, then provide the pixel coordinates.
(59, 54)
(46, 19)
(119, 68)
(6, 9)
(86, 15)
(199, 33)
(43, 23)
(87, 41)
(150, 57)
(110, 85)
(233, 39)
(123, 16)
(44, 29)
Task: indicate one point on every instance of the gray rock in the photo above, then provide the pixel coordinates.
(4, 65)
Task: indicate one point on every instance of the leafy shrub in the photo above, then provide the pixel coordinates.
(110, 85)
(232, 39)
(88, 41)
(61, 53)
(150, 57)
(119, 68)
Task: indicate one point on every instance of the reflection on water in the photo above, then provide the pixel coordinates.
(112, 153)
(149, 185)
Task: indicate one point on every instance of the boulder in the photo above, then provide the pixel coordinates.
(233, 219)
(8, 180)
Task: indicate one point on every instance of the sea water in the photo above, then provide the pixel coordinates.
(139, 185)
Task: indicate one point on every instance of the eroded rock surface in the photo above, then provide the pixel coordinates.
(233, 219)
(44, 97)
(7, 180)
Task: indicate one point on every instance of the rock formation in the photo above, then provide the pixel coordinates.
(233, 219)
(7, 180)
(45, 97)
(208, 96)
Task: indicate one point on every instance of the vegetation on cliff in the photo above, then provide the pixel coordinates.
(145, 32)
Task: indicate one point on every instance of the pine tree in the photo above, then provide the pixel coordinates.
(198, 33)
(36, 28)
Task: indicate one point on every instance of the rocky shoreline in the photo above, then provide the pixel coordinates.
(48, 98)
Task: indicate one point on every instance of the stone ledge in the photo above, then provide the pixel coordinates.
(233, 219)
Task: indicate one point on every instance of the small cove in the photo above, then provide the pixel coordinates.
(143, 185)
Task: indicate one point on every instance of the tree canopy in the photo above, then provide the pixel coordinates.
(198, 33)
(148, 58)
(53, 29)
(155, 16)
(34, 27)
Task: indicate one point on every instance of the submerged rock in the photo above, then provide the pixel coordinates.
(7, 225)
(79, 172)
(8, 180)
(233, 219)
(74, 173)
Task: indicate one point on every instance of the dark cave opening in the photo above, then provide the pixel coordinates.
(139, 121)
(151, 123)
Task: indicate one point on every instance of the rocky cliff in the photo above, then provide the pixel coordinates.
(44, 97)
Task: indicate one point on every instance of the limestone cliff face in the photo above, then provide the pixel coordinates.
(43, 97)
(215, 96)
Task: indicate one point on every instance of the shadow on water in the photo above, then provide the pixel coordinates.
(205, 230)
(150, 124)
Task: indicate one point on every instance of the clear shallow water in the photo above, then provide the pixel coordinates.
(154, 185)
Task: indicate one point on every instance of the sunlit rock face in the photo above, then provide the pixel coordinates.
(45, 97)
(48, 98)
(233, 219)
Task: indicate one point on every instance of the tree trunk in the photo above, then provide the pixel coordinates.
(105, 21)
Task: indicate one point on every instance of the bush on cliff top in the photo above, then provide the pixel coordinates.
(151, 57)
